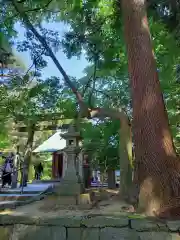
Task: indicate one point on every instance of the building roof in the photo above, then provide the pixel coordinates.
(52, 144)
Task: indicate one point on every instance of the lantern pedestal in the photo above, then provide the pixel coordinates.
(70, 186)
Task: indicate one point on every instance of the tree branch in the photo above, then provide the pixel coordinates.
(40, 8)
(94, 82)
(42, 40)
(110, 97)
(92, 113)
(86, 86)
(112, 113)
(33, 64)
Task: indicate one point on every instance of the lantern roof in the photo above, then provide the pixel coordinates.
(71, 133)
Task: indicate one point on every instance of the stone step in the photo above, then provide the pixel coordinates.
(8, 204)
(11, 198)
(16, 197)
(12, 191)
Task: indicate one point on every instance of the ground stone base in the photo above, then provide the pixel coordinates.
(86, 228)
(53, 202)
(23, 232)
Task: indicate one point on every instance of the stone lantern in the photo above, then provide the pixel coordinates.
(70, 185)
(72, 138)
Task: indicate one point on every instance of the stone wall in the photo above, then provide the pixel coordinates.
(86, 228)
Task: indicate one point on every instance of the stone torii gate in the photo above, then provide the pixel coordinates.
(51, 122)
(41, 122)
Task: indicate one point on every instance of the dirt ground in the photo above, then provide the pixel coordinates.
(104, 202)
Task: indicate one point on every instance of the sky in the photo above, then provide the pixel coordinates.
(73, 67)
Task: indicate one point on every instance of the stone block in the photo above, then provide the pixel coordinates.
(73, 221)
(118, 233)
(155, 236)
(144, 225)
(90, 234)
(5, 233)
(73, 234)
(10, 220)
(162, 227)
(173, 225)
(24, 232)
(84, 199)
(83, 233)
(57, 233)
(106, 221)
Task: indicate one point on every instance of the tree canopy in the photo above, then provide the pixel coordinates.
(94, 29)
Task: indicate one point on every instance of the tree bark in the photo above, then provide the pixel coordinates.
(126, 164)
(155, 156)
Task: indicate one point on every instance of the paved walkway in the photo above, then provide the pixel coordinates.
(31, 187)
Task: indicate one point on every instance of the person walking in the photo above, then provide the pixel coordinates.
(35, 172)
(38, 171)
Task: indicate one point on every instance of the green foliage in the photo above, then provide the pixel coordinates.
(4, 141)
(47, 174)
(102, 140)
(94, 27)
(111, 72)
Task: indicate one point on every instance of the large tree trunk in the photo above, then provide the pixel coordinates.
(155, 156)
